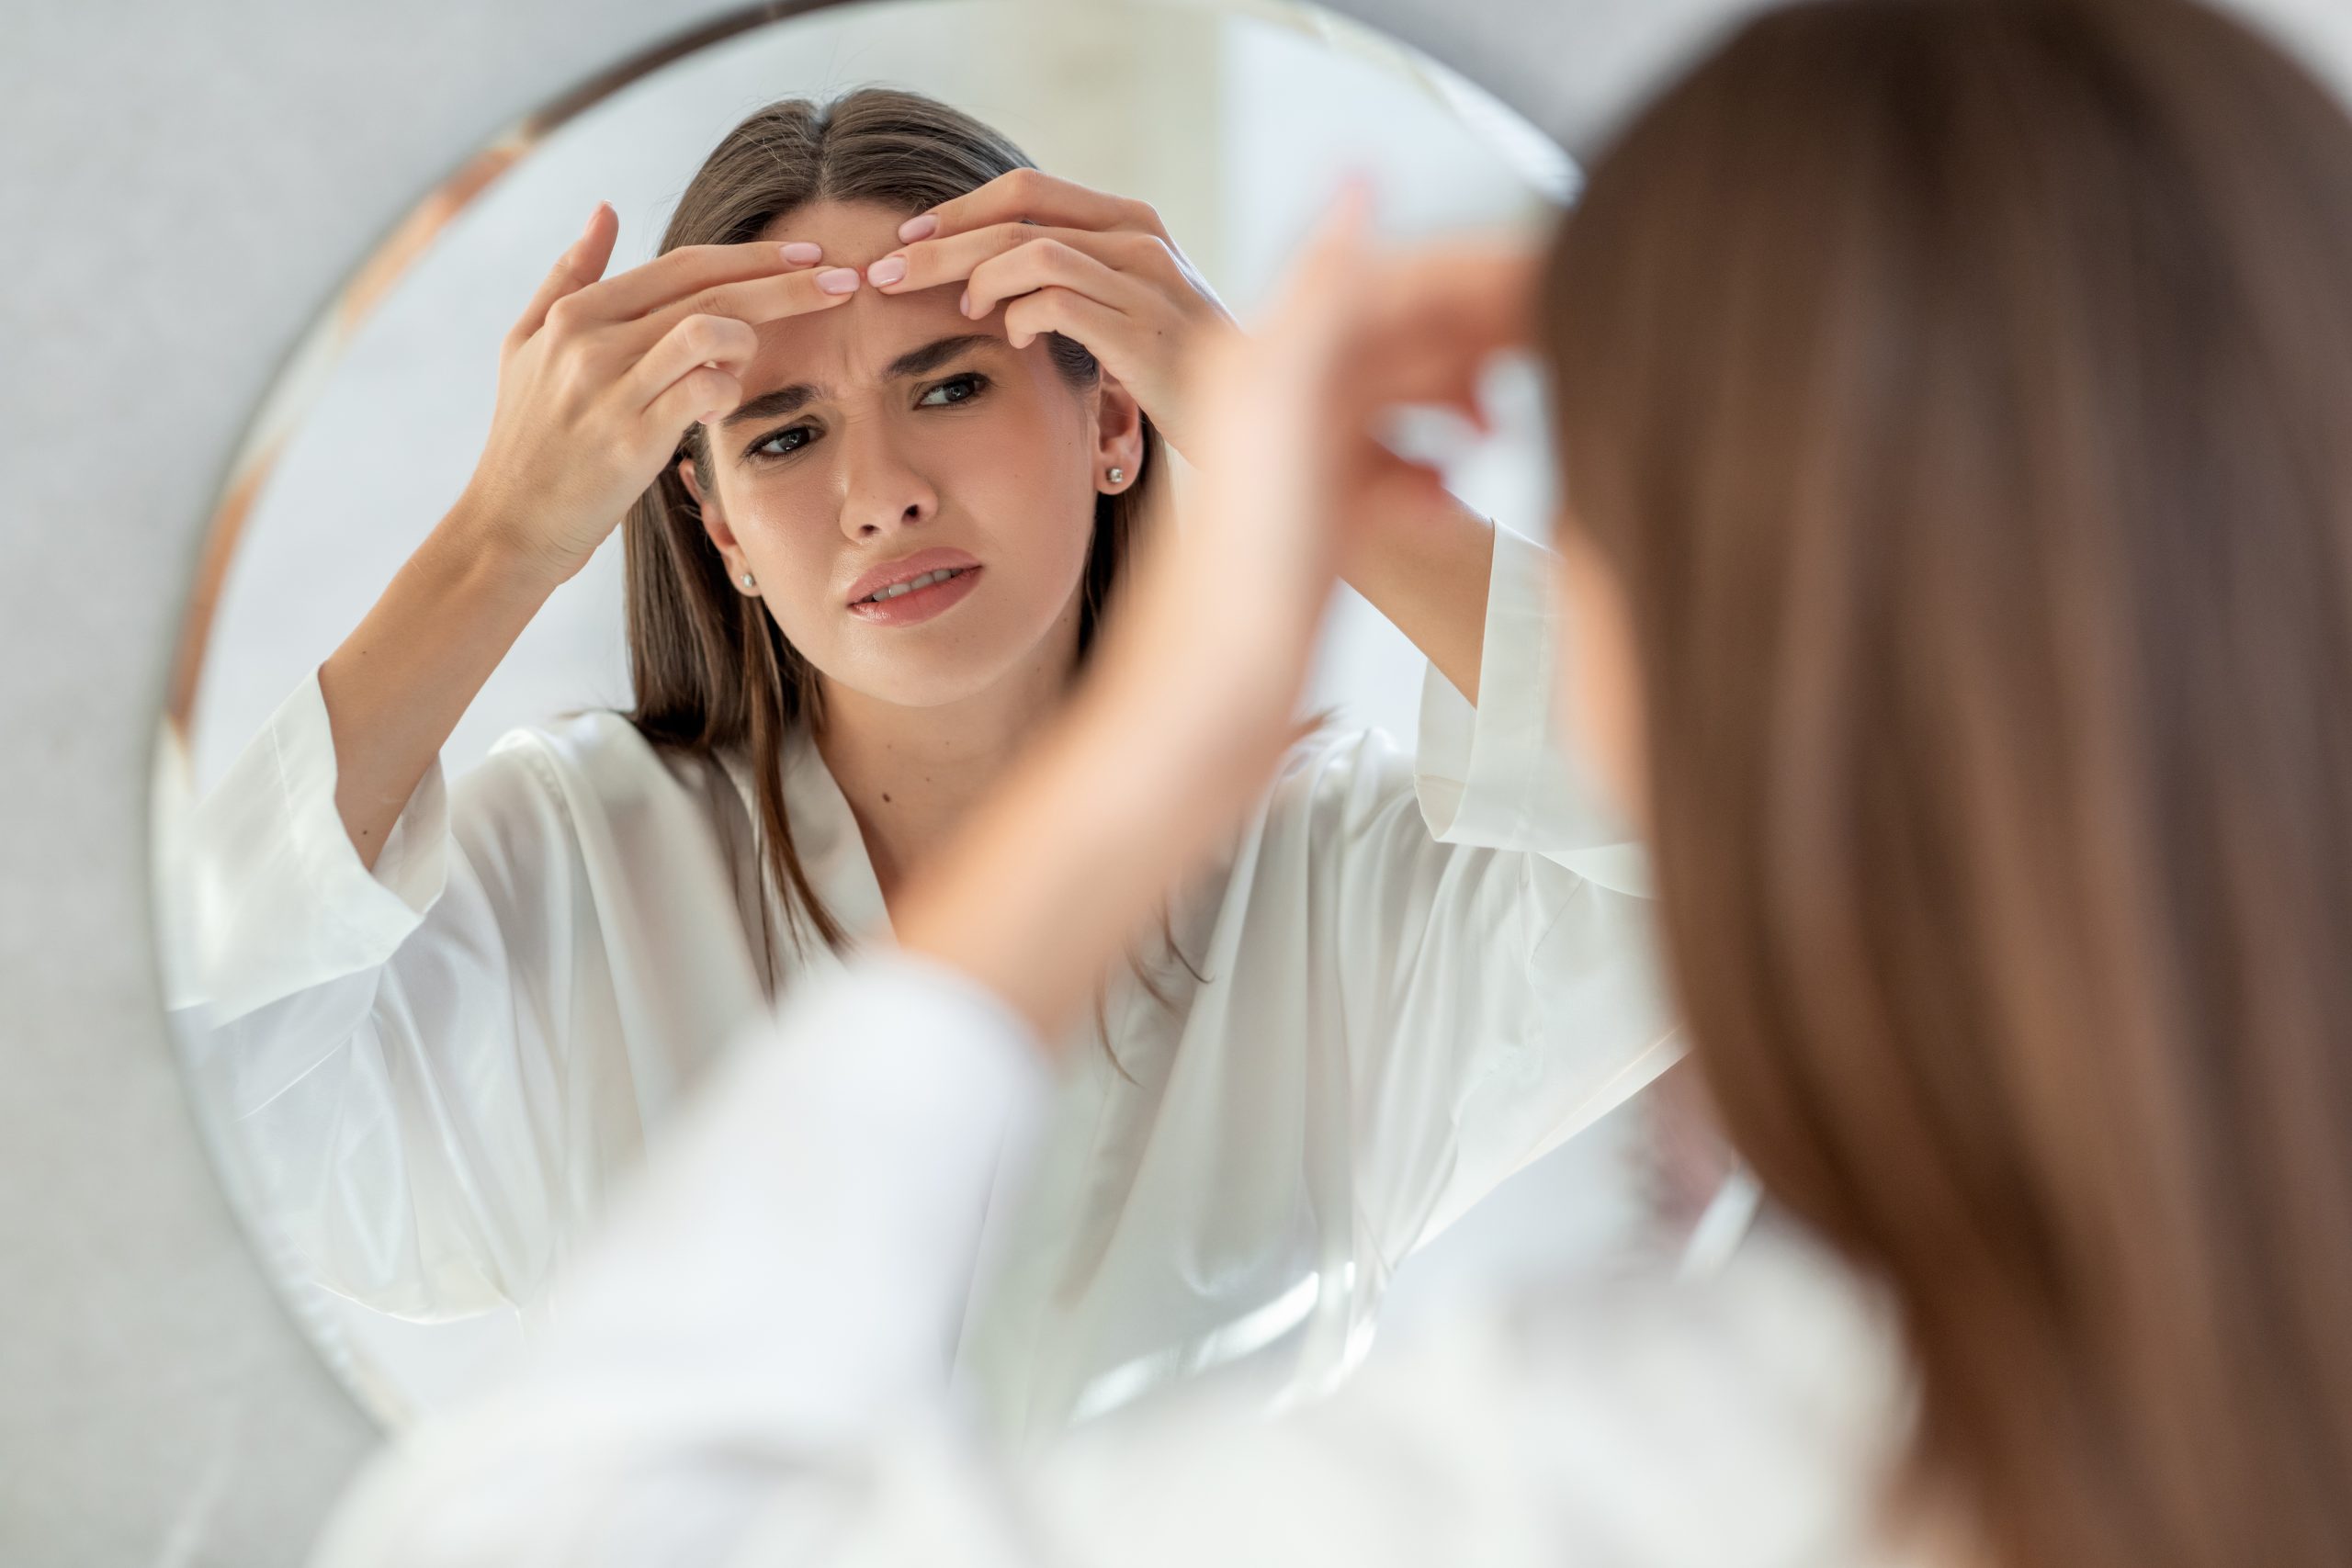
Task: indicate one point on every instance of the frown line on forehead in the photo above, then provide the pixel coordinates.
(916, 361)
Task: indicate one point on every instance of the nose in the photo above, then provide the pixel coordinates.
(881, 492)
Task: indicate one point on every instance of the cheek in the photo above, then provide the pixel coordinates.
(784, 525)
(1021, 480)
(788, 524)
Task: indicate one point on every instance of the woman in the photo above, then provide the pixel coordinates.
(443, 1020)
(1960, 561)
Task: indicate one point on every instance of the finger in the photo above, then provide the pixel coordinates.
(704, 390)
(1050, 263)
(1055, 310)
(1430, 320)
(679, 274)
(1476, 294)
(1306, 327)
(582, 263)
(1266, 397)
(935, 263)
(1433, 369)
(1032, 196)
(750, 300)
(1467, 302)
(720, 342)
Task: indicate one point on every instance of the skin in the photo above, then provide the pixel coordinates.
(992, 452)
(1599, 702)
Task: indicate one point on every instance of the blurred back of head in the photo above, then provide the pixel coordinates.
(1962, 391)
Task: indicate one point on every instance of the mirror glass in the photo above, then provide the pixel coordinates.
(419, 1133)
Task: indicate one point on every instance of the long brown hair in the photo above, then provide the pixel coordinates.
(712, 672)
(1962, 391)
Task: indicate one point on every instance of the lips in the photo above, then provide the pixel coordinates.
(905, 572)
(908, 591)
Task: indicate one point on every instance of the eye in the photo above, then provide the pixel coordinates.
(969, 385)
(780, 443)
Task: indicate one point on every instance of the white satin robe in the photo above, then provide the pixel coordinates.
(747, 1375)
(1417, 982)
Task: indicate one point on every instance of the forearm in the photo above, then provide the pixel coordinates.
(399, 683)
(1039, 894)
(1078, 845)
(1427, 574)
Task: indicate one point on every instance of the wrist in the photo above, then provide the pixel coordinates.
(487, 547)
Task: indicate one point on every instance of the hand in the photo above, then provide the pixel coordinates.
(1429, 321)
(1059, 257)
(1293, 482)
(599, 376)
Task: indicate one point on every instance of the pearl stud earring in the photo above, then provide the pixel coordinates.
(1118, 476)
(747, 580)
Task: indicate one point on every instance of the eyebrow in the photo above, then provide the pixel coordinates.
(914, 362)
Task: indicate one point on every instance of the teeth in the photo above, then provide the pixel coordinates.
(926, 581)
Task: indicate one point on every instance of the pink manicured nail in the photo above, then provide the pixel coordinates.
(921, 227)
(965, 304)
(800, 253)
(837, 280)
(889, 269)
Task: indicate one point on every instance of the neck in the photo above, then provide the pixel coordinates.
(910, 773)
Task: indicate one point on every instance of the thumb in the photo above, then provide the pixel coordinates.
(580, 264)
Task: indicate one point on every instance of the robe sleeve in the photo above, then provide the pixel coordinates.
(379, 1047)
(1495, 946)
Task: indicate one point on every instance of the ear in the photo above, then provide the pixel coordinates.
(714, 519)
(1118, 434)
(1598, 697)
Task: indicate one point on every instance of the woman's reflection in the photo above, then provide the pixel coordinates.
(884, 419)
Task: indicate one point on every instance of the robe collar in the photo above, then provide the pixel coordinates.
(824, 834)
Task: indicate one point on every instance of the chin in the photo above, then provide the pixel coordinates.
(916, 672)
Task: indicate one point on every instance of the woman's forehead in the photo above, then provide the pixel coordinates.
(852, 347)
(853, 234)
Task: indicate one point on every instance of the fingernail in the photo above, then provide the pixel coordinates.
(889, 269)
(923, 226)
(837, 280)
(800, 253)
(965, 304)
(710, 418)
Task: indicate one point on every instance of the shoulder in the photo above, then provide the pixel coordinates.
(1778, 1388)
(1337, 778)
(593, 762)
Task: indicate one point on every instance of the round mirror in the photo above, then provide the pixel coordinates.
(427, 1034)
